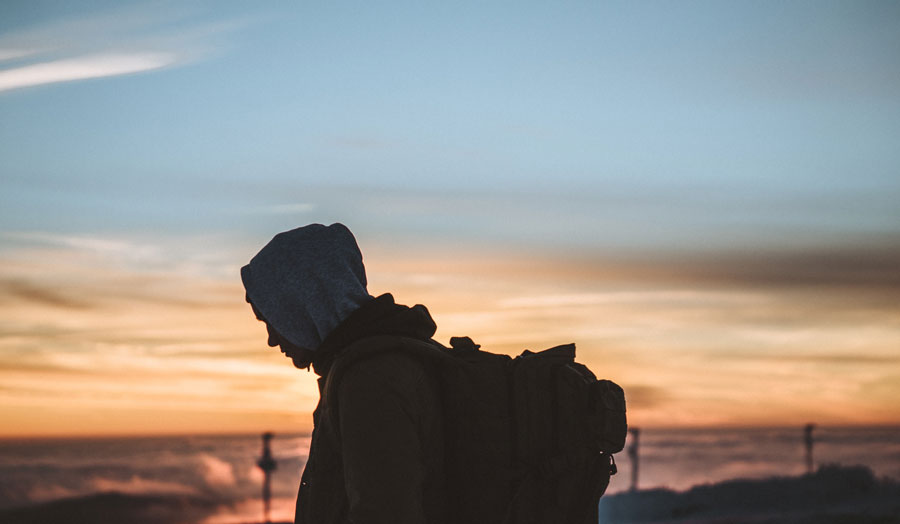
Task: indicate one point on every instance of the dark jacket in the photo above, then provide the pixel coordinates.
(379, 458)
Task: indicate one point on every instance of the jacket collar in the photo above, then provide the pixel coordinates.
(377, 316)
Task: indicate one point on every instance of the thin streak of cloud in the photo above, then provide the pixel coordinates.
(141, 486)
(644, 396)
(44, 295)
(865, 270)
(117, 291)
(283, 209)
(843, 359)
(676, 296)
(874, 267)
(82, 68)
(12, 54)
(108, 43)
(42, 253)
(85, 243)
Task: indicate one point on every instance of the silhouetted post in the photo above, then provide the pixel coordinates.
(268, 465)
(633, 456)
(808, 441)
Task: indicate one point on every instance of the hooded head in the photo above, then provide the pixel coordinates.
(306, 281)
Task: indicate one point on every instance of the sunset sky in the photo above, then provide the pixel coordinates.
(703, 196)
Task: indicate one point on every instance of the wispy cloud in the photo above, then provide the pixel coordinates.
(675, 296)
(105, 246)
(22, 290)
(12, 54)
(35, 251)
(104, 44)
(282, 209)
(83, 68)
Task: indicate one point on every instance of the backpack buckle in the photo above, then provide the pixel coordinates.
(463, 344)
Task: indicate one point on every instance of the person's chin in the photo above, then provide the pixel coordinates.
(299, 363)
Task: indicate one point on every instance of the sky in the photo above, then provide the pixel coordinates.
(701, 195)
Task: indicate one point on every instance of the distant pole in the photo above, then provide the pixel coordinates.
(809, 441)
(268, 465)
(633, 456)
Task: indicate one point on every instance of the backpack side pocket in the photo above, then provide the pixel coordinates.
(608, 417)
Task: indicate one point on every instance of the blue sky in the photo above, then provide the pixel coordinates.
(776, 115)
(659, 147)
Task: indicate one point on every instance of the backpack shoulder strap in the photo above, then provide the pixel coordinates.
(368, 347)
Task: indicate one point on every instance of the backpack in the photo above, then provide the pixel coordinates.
(528, 440)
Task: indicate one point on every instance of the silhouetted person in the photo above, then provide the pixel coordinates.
(267, 464)
(379, 458)
(808, 442)
(633, 456)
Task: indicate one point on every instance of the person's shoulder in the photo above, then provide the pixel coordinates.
(395, 368)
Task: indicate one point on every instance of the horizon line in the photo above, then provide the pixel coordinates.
(301, 433)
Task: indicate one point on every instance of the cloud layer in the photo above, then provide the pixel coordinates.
(158, 330)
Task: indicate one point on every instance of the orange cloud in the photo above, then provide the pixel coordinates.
(95, 341)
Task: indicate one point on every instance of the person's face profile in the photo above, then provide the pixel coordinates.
(299, 356)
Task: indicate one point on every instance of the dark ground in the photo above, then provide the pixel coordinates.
(833, 495)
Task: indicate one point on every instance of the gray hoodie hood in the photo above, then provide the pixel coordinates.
(306, 281)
